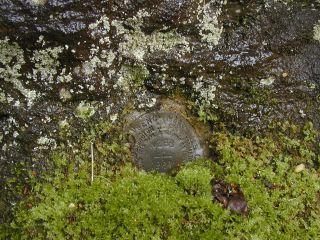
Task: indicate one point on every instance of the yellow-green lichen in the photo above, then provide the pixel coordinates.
(85, 110)
(64, 124)
(132, 77)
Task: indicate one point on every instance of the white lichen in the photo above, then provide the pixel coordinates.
(46, 64)
(267, 81)
(46, 142)
(136, 44)
(12, 59)
(316, 31)
(204, 92)
(41, 40)
(210, 29)
(302, 113)
(100, 29)
(299, 168)
(64, 77)
(38, 2)
(2, 97)
(152, 102)
(99, 57)
(65, 94)
(103, 59)
(113, 117)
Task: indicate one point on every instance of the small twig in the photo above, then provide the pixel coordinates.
(92, 161)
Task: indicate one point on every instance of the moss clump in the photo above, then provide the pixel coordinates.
(128, 205)
(194, 180)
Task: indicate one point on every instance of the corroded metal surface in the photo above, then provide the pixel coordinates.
(162, 141)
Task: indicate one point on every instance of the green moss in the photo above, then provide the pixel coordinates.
(195, 180)
(107, 137)
(131, 205)
(282, 201)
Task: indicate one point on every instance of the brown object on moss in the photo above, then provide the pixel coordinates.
(230, 196)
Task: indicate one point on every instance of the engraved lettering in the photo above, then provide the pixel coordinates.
(162, 141)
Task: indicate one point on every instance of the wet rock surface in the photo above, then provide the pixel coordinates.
(243, 64)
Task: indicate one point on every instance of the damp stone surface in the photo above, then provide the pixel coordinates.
(162, 141)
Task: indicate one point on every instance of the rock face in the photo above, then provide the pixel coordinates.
(244, 64)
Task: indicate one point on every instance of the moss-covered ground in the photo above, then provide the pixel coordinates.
(277, 173)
